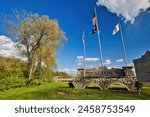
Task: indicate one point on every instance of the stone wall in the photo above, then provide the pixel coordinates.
(104, 77)
(104, 83)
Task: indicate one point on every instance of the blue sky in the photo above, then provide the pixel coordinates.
(74, 16)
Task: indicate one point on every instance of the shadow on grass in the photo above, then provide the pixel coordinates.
(97, 88)
(117, 88)
(113, 88)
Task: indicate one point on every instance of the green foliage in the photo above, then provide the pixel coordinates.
(11, 73)
(11, 66)
(34, 82)
(63, 75)
(9, 82)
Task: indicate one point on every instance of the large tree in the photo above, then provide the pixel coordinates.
(37, 38)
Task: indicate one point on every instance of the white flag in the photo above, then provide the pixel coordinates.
(116, 29)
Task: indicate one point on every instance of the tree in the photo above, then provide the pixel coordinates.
(37, 37)
(45, 59)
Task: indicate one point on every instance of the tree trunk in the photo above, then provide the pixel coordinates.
(31, 69)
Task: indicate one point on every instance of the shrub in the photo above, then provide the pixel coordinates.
(34, 82)
(13, 81)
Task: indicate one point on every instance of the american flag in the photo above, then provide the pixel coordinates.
(94, 24)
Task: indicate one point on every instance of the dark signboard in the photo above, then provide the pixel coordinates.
(109, 73)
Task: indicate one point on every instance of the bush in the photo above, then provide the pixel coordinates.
(9, 82)
(35, 82)
(2, 87)
(14, 74)
(11, 75)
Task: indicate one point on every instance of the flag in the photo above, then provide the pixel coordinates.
(94, 24)
(83, 37)
(116, 29)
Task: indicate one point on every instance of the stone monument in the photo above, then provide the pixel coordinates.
(104, 77)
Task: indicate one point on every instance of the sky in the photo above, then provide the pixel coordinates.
(74, 16)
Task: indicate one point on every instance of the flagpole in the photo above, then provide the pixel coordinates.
(123, 45)
(99, 42)
(84, 52)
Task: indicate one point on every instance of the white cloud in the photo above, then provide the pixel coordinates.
(81, 59)
(131, 64)
(109, 67)
(80, 64)
(107, 62)
(119, 60)
(69, 71)
(7, 47)
(4, 39)
(92, 59)
(128, 9)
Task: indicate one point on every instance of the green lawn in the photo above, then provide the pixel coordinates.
(61, 91)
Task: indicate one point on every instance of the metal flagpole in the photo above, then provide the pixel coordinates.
(84, 52)
(124, 50)
(99, 42)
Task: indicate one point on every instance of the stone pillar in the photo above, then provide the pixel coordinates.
(128, 71)
(80, 72)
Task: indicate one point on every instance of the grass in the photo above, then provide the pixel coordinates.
(61, 91)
